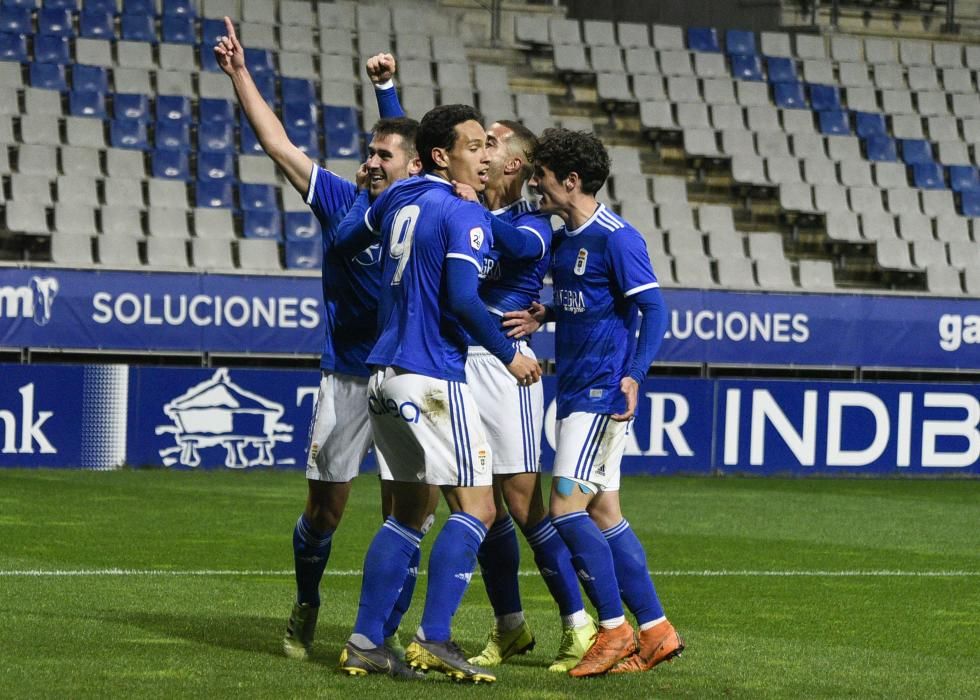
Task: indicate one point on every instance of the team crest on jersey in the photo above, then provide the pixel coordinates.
(482, 458)
(476, 237)
(580, 261)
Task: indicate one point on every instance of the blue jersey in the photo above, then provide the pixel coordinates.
(596, 269)
(422, 223)
(350, 285)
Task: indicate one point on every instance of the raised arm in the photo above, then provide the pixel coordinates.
(381, 70)
(354, 233)
(295, 164)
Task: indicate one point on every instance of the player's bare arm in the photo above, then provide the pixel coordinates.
(295, 164)
(631, 390)
(526, 321)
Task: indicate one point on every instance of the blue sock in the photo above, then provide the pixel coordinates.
(311, 550)
(385, 564)
(555, 564)
(500, 559)
(593, 562)
(450, 568)
(405, 597)
(635, 585)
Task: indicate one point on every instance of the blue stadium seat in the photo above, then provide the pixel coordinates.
(703, 39)
(16, 20)
(131, 105)
(266, 85)
(13, 47)
(249, 142)
(51, 49)
(305, 139)
(344, 144)
(259, 61)
(180, 8)
(171, 135)
(54, 22)
(100, 6)
(62, 4)
(139, 7)
(178, 29)
(308, 254)
(29, 4)
(258, 197)
(95, 24)
(969, 205)
(299, 114)
(739, 42)
(301, 226)
(869, 124)
(215, 166)
(261, 224)
(211, 29)
(746, 67)
(209, 61)
(89, 78)
(928, 176)
(834, 122)
(298, 90)
(211, 109)
(216, 194)
(964, 178)
(128, 133)
(216, 137)
(86, 103)
(789, 95)
(339, 118)
(916, 151)
(824, 98)
(173, 107)
(50, 76)
(138, 27)
(172, 165)
(881, 149)
(781, 70)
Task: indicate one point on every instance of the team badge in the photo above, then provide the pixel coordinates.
(580, 261)
(476, 237)
(482, 458)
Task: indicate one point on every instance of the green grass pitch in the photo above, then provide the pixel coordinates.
(781, 588)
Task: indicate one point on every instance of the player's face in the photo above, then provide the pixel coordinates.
(498, 152)
(467, 161)
(551, 193)
(387, 162)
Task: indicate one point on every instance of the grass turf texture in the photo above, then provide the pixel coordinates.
(748, 635)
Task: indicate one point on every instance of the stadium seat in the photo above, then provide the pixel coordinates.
(817, 275)
(881, 148)
(834, 122)
(304, 254)
(178, 29)
(86, 104)
(305, 139)
(746, 67)
(300, 226)
(211, 254)
(207, 59)
(259, 61)
(171, 135)
(13, 47)
(128, 133)
(215, 166)
(51, 49)
(137, 27)
(249, 142)
(54, 21)
(869, 124)
(216, 137)
(211, 29)
(297, 90)
(139, 7)
(129, 105)
(781, 70)
(928, 176)
(71, 249)
(964, 178)
(736, 273)
(739, 42)
(258, 197)
(789, 95)
(49, 76)
(261, 224)
(299, 114)
(215, 110)
(122, 221)
(118, 250)
(703, 39)
(16, 20)
(970, 204)
(214, 194)
(915, 151)
(181, 8)
(173, 108)
(824, 97)
(89, 78)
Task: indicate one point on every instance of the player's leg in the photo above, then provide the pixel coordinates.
(659, 640)
(589, 450)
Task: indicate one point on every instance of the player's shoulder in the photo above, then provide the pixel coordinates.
(619, 231)
(330, 181)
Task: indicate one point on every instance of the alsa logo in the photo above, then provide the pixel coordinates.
(30, 301)
(218, 413)
(956, 330)
(28, 426)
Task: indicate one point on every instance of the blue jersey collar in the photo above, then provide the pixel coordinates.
(588, 222)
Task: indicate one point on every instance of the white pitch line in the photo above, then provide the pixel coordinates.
(706, 573)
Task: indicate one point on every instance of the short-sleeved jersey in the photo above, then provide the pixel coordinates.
(596, 268)
(508, 284)
(422, 223)
(350, 285)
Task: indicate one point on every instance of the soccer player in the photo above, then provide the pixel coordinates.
(340, 433)
(425, 422)
(512, 417)
(602, 278)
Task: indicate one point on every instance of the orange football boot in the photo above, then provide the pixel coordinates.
(657, 644)
(609, 647)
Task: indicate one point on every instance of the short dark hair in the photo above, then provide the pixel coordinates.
(563, 152)
(399, 126)
(526, 140)
(438, 130)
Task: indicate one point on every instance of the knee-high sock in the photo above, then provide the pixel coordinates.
(450, 568)
(311, 550)
(405, 597)
(385, 564)
(500, 559)
(635, 585)
(593, 562)
(555, 564)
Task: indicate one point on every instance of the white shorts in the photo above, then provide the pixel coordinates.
(428, 430)
(590, 449)
(512, 415)
(340, 434)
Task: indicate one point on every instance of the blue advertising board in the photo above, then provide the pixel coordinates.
(105, 416)
(112, 310)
